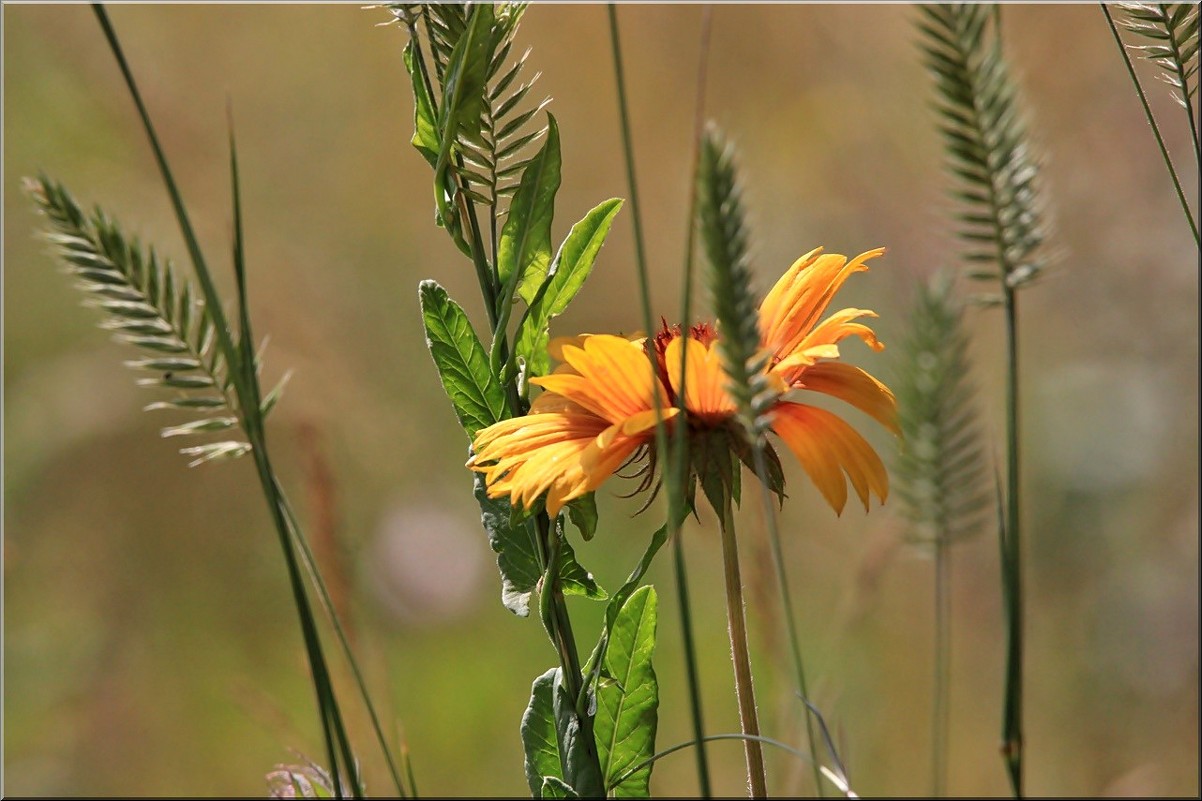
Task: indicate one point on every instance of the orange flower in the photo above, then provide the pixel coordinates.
(599, 406)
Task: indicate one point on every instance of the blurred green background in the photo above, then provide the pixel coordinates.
(150, 645)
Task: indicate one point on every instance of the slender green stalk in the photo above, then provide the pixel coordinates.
(690, 663)
(1013, 714)
(940, 718)
(674, 476)
(323, 595)
(782, 581)
(740, 653)
(498, 301)
(679, 455)
(709, 738)
(1164, 151)
(246, 388)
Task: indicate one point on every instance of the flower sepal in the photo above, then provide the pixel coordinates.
(713, 465)
(774, 471)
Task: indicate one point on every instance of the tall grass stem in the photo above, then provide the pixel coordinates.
(1164, 151)
(243, 377)
(679, 450)
(940, 708)
(1013, 715)
(782, 580)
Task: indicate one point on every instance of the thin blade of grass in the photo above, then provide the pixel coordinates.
(1164, 151)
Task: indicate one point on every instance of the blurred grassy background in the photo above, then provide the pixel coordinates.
(150, 647)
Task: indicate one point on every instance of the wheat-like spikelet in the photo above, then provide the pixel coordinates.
(1173, 30)
(986, 144)
(940, 470)
(146, 306)
(724, 236)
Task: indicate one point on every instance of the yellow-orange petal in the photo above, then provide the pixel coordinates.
(802, 295)
(705, 392)
(828, 448)
(555, 346)
(838, 326)
(783, 295)
(551, 402)
(525, 457)
(612, 377)
(855, 386)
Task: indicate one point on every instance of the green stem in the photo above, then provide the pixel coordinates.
(674, 475)
(1013, 739)
(939, 706)
(323, 595)
(740, 654)
(498, 302)
(710, 738)
(782, 581)
(628, 149)
(1164, 151)
(246, 388)
(559, 629)
(320, 671)
(677, 475)
(690, 662)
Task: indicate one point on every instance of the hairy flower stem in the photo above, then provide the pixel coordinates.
(740, 654)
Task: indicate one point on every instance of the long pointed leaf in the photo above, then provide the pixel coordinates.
(628, 696)
(538, 733)
(571, 267)
(475, 393)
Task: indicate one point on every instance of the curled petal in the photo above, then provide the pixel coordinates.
(828, 448)
(851, 384)
(838, 327)
(802, 295)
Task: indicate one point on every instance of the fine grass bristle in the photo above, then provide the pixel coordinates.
(986, 145)
(145, 305)
(724, 236)
(1172, 29)
(480, 102)
(940, 470)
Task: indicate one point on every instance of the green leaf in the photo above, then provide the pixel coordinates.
(462, 363)
(576, 746)
(425, 134)
(628, 697)
(574, 579)
(583, 513)
(573, 264)
(524, 251)
(557, 788)
(538, 734)
(516, 556)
